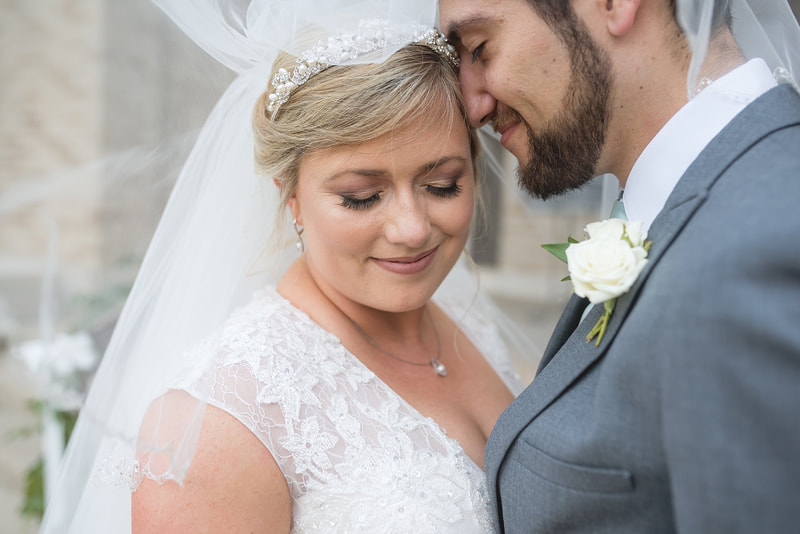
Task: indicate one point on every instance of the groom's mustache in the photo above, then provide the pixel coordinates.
(505, 117)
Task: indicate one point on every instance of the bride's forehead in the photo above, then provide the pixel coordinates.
(426, 132)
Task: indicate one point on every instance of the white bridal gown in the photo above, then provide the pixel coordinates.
(356, 456)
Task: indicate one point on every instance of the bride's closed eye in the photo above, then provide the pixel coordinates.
(444, 184)
(445, 191)
(355, 203)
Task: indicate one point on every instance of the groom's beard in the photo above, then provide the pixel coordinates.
(563, 156)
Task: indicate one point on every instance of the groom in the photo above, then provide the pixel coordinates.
(685, 417)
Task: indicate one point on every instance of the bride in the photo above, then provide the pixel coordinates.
(347, 398)
(245, 390)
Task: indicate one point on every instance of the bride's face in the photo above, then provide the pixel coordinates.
(386, 220)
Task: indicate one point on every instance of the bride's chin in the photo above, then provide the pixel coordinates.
(400, 299)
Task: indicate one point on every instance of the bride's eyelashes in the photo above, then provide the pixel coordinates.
(356, 203)
(450, 191)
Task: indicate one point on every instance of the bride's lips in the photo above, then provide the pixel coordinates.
(408, 264)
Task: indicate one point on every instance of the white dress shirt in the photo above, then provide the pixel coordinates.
(665, 159)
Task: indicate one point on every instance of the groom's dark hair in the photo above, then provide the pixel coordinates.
(559, 14)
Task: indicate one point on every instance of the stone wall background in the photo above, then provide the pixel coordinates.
(88, 89)
(95, 88)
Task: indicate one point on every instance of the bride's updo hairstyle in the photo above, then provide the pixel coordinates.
(351, 104)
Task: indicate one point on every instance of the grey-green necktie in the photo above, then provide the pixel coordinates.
(618, 210)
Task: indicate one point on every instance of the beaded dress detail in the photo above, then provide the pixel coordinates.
(356, 456)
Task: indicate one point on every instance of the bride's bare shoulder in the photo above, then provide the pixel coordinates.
(233, 485)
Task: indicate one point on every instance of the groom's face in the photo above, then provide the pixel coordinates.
(544, 86)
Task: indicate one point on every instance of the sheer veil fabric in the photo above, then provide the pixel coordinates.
(765, 29)
(210, 252)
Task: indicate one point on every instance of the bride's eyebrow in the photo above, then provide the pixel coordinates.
(433, 165)
(372, 173)
(369, 173)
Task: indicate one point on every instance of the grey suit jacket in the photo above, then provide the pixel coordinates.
(686, 418)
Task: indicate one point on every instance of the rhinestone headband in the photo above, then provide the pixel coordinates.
(374, 35)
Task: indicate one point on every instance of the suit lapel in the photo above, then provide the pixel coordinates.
(564, 328)
(562, 366)
(576, 354)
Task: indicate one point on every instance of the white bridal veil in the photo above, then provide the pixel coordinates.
(210, 252)
(762, 28)
(211, 248)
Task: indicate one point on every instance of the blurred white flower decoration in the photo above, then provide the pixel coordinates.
(63, 367)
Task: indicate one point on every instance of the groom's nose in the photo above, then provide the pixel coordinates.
(481, 105)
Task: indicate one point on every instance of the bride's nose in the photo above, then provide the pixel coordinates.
(407, 222)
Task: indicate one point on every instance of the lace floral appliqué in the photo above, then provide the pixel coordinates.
(356, 456)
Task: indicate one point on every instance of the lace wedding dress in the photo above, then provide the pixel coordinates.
(356, 456)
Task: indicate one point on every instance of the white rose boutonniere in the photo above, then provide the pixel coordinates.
(605, 265)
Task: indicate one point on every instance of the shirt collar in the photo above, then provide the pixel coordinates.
(664, 160)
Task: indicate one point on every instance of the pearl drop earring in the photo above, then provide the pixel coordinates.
(299, 244)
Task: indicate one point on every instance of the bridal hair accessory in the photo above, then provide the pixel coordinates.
(604, 266)
(299, 244)
(373, 35)
(438, 367)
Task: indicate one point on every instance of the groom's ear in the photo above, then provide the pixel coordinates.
(620, 15)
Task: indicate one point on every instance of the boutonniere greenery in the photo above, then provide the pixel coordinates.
(605, 265)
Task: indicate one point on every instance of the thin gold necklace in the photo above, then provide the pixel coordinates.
(438, 367)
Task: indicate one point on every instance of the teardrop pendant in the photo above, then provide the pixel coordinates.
(438, 367)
